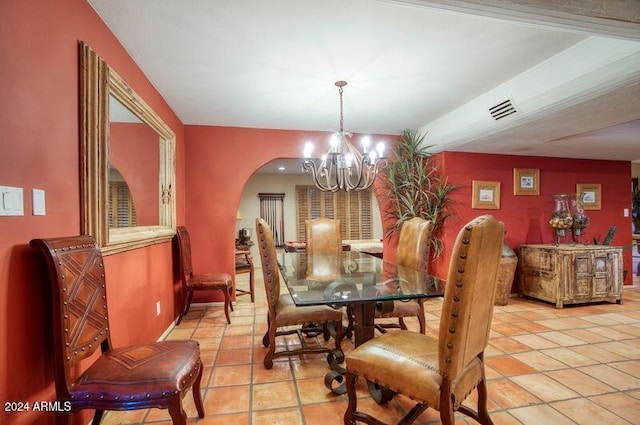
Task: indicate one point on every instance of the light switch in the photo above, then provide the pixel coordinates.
(38, 202)
(11, 201)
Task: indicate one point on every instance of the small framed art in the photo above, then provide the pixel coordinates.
(592, 198)
(486, 195)
(526, 181)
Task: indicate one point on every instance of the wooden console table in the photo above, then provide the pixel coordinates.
(571, 274)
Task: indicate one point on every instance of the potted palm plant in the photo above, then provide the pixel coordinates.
(416, 188)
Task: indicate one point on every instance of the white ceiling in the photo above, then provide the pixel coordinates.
(572, 69)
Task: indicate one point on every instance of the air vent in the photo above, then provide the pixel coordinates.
(502, 109)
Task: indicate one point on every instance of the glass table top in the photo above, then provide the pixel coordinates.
(316, 279)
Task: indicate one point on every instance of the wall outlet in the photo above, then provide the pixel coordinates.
(625, 212)
(158, 308)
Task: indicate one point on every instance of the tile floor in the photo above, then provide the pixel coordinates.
(578, 365)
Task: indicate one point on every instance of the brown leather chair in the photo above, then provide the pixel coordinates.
(200, 282)
(244, 265)
(282, 310)
(155, 374)
(440, 372)
(413, 252)
(323, 248)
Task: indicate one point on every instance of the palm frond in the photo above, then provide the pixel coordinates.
(415, 186)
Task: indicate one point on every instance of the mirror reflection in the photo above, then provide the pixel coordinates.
(133, 169)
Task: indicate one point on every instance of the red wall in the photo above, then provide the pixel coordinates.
(526, 217)
(39, 118)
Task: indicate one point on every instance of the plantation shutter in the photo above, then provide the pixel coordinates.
(122, 212)
(353, 209)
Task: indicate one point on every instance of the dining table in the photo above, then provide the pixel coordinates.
(359, 281)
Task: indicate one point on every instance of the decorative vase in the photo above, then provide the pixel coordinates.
(561, 219)
(580, 219)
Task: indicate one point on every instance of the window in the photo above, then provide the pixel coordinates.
(272, 211)
(122, 212)
(353, 209)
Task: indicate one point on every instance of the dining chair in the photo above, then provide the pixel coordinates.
(284, 317)
(413, 252)
(439, 372)
(142, 376)
(244, 265)
(191, 282)
(323, 248)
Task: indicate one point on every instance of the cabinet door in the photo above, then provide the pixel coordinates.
(602, 273)
(583, 276)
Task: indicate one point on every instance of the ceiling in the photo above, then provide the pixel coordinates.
(571, 70)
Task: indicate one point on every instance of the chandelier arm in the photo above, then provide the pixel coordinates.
(309, 165)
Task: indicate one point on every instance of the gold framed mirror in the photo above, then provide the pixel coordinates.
(119, 194)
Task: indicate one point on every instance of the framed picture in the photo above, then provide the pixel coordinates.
(592, 198)
(486, 195)
(526, 181)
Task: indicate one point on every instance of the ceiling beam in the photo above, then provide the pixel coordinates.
(619, 19)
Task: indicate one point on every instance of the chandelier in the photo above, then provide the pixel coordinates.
(343, 167)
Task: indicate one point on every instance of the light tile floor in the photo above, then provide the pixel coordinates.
(578, 365)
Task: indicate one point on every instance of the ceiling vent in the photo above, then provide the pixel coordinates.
(502, 109)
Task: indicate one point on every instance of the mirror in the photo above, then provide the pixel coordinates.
(127, 162)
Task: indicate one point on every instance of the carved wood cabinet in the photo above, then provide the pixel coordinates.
(571, 274)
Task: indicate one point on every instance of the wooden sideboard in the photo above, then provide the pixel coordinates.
(571, 274)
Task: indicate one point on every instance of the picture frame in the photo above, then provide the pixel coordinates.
(485, 195)
(592, 199)
(526, 181)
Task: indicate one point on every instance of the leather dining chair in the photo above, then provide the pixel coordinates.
(413, 252)
(323, 248)
(142, 376)
(200, 282)
(439, 372)
(282, 311)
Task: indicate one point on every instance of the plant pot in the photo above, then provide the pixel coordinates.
(506, 272)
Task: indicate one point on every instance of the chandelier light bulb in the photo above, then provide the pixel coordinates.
(365, 143)
(380, 149)
(308, 149)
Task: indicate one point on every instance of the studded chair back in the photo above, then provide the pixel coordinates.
(270, 271)
(79, 304)
(153, 374)
(184, 244)
(439, 372)
(414, 244)
(413, 252)
(469, 294)
(323, 236)
(324, 248)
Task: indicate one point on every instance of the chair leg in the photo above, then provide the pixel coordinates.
(178, 415)
(265, 337)
(251, 286)
(185, 310)
(483, 412)
(421, 318)
(447, 414)
(197, 397)
(227, 299)
(268, 358)
(350, 384)
(97, 417)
